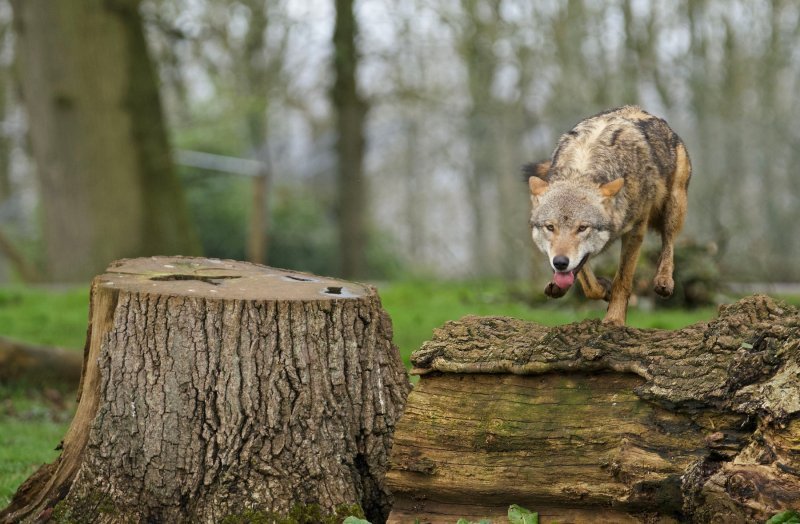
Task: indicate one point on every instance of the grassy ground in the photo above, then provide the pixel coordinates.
(22, 451)
(33, 422)
(45, 316)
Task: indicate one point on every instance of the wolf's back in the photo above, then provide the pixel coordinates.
(622, 142)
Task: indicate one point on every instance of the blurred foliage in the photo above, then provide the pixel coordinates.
(219, 207)
(301, 236)
(213, 130)
(302, 230)
(304, 236)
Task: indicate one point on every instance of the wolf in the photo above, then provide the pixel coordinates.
(614, 175)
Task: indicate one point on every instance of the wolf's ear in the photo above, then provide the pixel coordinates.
(538, 169)
(612, 188)
(537, 185)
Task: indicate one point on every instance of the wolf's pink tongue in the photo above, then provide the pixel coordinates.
(563, 280)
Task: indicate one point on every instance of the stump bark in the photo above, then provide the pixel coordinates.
(589, 423)
(221, 391)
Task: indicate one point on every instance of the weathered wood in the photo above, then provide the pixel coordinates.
(588, 423)
(38, 366)
(217, 390)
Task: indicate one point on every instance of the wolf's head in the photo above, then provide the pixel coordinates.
(570, 222)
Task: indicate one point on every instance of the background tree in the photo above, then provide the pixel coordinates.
(478, 35)
(460, 94)
(107, 182)
(242, 45)
(350, 110)
(8, 249)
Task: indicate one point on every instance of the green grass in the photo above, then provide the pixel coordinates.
(45, 316)
(24, 446)
(32, 423)
(793, 300)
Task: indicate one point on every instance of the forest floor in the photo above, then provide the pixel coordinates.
(33, 421)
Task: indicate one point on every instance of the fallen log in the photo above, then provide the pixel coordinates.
(38, 366)
(221, 391)
(589, 423)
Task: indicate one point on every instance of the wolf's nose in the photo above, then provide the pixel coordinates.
(560, 262)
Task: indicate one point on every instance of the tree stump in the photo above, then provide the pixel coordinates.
(589, 423)
(221, 391)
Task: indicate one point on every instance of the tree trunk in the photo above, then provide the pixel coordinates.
(476, 47)
(256, 73)
(587, 423)
(107, 183)
(220, 391)
(351, 110)
(5, 113)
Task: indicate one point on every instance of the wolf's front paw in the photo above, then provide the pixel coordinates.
(553, 291)
(663, 286)
(613, 321)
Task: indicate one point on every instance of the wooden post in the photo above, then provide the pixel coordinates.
(258, 232)
(221, 391)
(588, 423)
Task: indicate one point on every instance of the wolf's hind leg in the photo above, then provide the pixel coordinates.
(673, 217)
(593, 287)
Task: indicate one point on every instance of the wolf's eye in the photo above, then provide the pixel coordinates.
(550, 227)
(581, 229)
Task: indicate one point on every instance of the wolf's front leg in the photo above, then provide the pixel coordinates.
(593, 287)
(623, 281)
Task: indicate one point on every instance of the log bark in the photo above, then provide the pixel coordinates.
(220, 391)
(38, 366)
(589, 423)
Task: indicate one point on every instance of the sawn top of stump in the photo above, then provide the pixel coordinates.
(223, 279)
